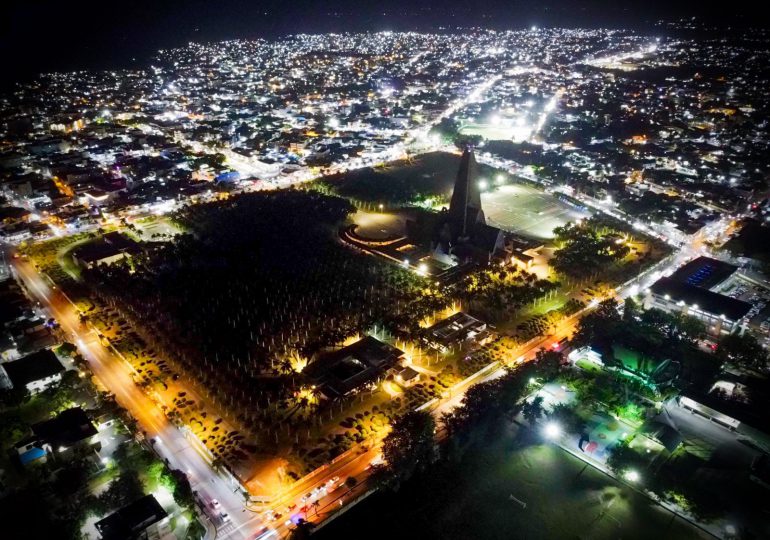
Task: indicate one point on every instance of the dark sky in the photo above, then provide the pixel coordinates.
(46, 35)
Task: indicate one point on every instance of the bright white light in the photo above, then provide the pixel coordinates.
(334, 123)
(483, 184)
(534, 28)
(422, 268)
(633, 290)
(552, 430)
(631, 476)
(495, 120)
(499, 179)
(406, 262)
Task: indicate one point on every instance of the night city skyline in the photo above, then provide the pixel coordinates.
(359, 269)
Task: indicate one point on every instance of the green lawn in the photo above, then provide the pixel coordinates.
(485, 495)
(588, 366)
(634, 360)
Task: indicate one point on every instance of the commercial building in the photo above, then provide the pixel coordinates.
(689, 291)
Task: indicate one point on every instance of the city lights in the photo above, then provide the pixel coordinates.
(249, 249)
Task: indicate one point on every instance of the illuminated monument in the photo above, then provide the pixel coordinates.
(463, 232)
(465, 207)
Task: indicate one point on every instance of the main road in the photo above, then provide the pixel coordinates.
(114, 374)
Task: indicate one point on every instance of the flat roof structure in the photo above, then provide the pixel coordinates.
(110, 245)
(704, 272)
(706, 300)
(455, 329)
(131, 520)
(33, 367)
(66, 429)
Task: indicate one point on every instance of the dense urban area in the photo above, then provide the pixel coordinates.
(468, 284)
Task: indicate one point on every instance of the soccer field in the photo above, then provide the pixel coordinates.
(527, 211)
(512, 490)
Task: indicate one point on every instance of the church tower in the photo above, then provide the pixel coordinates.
(465, 207)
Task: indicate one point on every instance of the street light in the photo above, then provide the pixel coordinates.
(552, 430)
(631, 476)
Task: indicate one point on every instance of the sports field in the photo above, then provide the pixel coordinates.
(522, 490)
(526, 210)
(507, 132)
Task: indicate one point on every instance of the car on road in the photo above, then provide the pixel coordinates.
(215, 504)
(265, 533)
(225, 517)
(277, 516)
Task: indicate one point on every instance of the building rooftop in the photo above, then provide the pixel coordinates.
(455, 328)
(109, 245)
(344, 370)
(706, 300)
(68, 428)
(131, 520)
(33, 367)
(704, 272)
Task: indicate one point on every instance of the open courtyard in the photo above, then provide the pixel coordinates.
(527, 211)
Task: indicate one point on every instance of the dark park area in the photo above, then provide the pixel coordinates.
(512, 487)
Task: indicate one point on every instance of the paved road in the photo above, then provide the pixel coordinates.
(115, 375)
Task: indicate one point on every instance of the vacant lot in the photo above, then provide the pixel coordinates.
(515, 489)
(527, 210)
